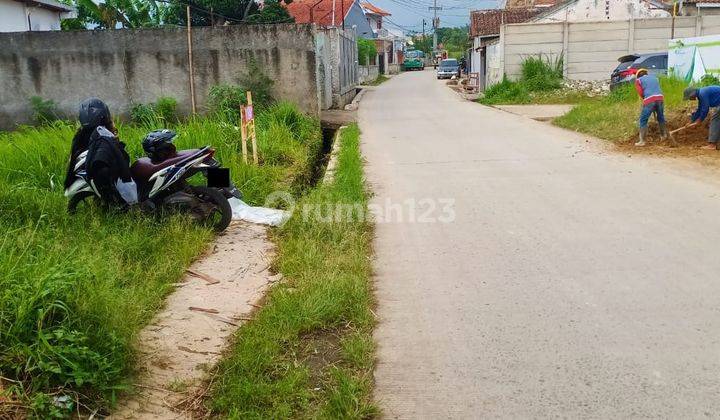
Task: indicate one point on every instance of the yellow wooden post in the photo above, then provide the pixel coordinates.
(251, 128)
(243, 133)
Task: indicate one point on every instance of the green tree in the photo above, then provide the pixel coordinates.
(228, 11)
(113, 14)
(273, 12)
(366, 49)
(454, 40)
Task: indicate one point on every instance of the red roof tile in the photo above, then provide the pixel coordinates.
(487, 22)
(318, 11)
(374, 9)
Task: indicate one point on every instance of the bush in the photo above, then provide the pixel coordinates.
(504, 92)
(366, 49)
(162, 112)
(257, 82)
(166, 109)
(142, 114)
(540, 74)
(224, 101)
(709, 80)
(44, 112)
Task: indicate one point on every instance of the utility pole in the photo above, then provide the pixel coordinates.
(423, 38)
(435, 22)
(672, 26)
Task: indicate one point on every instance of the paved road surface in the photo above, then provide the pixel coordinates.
(571, 283)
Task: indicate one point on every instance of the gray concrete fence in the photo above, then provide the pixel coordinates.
(124, 67)
(590, 49)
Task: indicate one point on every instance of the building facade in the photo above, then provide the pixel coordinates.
(35, 15)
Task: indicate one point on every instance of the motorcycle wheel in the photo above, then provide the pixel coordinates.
(77, 199)
(221, 217)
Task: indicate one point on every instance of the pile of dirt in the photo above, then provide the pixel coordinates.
(689, 141)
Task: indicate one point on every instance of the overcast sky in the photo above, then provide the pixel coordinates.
(408, 14)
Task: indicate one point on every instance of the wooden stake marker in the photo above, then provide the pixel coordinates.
(243, 133)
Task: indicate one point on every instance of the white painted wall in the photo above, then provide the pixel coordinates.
(43, 19)
(494, 69)
(475, 56)
(594, 10)
(591, 49)
(12, 16)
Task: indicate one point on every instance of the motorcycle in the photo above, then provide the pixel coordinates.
(163, 185)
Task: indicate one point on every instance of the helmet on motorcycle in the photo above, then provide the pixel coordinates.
(158, 145)
(94, 113)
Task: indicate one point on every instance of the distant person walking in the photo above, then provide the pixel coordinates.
(707, 97)
(648, 87)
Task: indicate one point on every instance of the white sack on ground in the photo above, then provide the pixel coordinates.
(261, 215)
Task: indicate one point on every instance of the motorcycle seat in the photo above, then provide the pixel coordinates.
(144, 168)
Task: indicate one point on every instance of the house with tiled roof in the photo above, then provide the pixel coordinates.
(485, 32)
(599, 10)
(388, 42)
(700, 7)
(332, 13)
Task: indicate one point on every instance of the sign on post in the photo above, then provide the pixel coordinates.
(250, 117)
(692, 58)
(247, 128)
(243, 133)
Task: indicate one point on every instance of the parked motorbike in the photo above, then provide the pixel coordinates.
(162, 182)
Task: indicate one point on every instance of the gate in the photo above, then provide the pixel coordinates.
(347, 61)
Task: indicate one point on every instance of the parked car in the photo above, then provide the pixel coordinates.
(448, 68)
(655, 63)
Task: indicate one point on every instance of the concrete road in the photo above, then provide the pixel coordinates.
(570, 283)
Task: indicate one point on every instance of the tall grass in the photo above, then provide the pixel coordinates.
(615, 116)
(309, 352)
(538, 74)
(75, 291)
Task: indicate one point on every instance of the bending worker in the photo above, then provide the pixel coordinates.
(648, 87)
(707, 97)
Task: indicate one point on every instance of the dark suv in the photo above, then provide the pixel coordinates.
(655, 63)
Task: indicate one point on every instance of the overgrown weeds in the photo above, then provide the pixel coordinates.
(540, 76)
(309, 351)
(45, 111)
(160, 113)
(615, 116)
(75, 291)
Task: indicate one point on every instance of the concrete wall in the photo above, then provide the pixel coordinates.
(367, 73)
(594, 10)
(591, 49)
(340, 57)
(137, 66)
(493, 63)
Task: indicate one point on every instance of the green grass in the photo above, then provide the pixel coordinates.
(75, 291)
(309, 351)
(614, 117)
(378, 80)
(540, 82)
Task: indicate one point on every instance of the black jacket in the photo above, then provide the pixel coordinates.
(104, 149)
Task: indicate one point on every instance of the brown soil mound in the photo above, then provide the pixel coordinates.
(689, 141)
